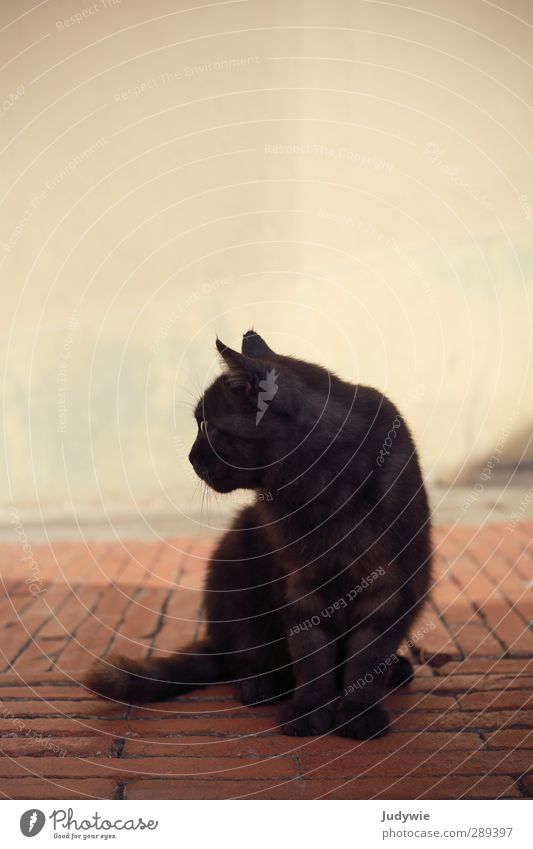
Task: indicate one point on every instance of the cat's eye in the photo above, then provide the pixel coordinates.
(203, 425)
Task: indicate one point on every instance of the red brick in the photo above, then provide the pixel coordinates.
(42, 788)
(219, 789)
(457, 787)
(185, 724)
(419, 701)
(278, 744)
(473, 636)
(34, 679)
(211, 710)
(490, 665)
(64, 727)
(477, 683)
(413, 788)
(135, 635)
(496, 700)
(42, 707)
(97, 631)
(124, 770)
(56, 746)
(65, 621)
(180, 620)
(520, 738)
(423, 763)
(458, 720)
(39, 692)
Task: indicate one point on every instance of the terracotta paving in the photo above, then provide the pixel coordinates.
(462, 730)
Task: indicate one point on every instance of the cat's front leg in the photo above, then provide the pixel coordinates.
(313, 652)
(370, 652)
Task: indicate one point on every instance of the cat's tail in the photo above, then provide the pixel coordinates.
(124, 679)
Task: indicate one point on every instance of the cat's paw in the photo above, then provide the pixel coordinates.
(301, 720)
(261, 690)
(361, 721)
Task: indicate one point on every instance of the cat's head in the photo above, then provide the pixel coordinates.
(258, 416)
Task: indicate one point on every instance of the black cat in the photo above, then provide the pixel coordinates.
(314, 587)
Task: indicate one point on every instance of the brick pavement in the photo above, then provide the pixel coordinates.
(462, 730)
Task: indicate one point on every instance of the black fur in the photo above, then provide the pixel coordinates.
(314, 587)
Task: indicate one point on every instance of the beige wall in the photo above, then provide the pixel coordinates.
(352, 178)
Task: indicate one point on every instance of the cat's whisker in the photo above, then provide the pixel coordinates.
(209, 522)
(195, 491)
(194, 395)
(218, 499)
(193, 378)
(203, 503)
(205, 517)
(189, 404)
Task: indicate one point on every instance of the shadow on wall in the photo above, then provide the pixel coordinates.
(511, 455)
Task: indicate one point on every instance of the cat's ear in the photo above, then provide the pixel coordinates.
(254, 346)
(241, 370)
(256, 380)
